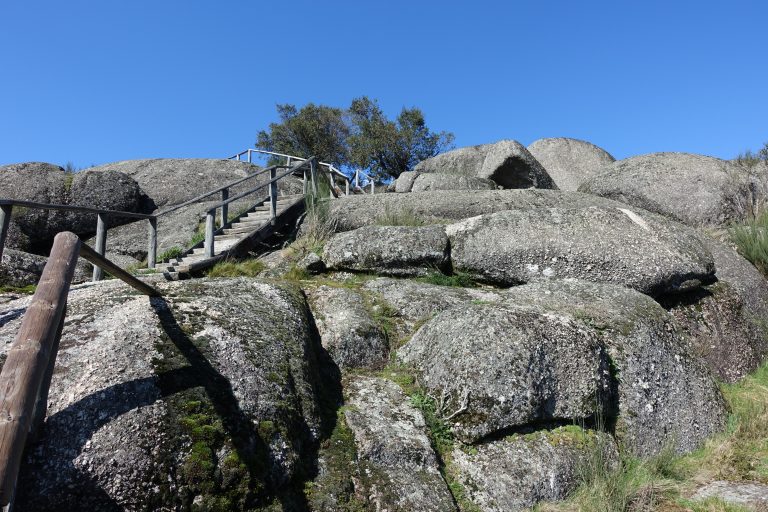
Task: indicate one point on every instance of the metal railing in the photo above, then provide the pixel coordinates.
(248, 153)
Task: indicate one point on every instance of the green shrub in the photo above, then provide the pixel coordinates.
(751, 240)
(247, 268)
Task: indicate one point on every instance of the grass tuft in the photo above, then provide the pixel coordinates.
(459, 279)
(246, 268)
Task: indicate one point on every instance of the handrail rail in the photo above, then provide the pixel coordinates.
(84, 209)
(26, 374)
(294, 157)
(228, 185)
(263, 185)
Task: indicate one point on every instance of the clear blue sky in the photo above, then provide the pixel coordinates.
(101, 81)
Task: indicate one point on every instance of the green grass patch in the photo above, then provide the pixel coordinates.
(172, 253)
(26, 290)
(459, 279)
(751, 241)
(246, 268)
(403, 217)
(663, 482)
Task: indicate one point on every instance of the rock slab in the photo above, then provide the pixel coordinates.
(507, 163)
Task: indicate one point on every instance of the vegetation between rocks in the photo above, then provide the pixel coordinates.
(666, 482)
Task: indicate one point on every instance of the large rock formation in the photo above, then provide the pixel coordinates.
(400, 469)
(495, 368)
(105, 190)
(41, 183)
(348, 332)
(170, 181)
(614, 245)
(666, 396)
(726, 321)
(698, 190)
(415, 181)
(506, 162)
(389, 250)
(570, 162)
(207, 398)
(518, 472)
(443, 206)
(478, 357)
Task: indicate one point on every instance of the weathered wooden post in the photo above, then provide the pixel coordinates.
(5, 222)
(224, 207)
(304, 182)
(373, 185)
(101, 245)
(249, 156)
(29, 358)
(346, 188)
(273, 195)
(210, 227)
(152, 250)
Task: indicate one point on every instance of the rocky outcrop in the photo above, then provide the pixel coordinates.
(19, 269)
(496, 368)
(37, 182)
(400, 467)
(570, 162)
(443, 206)
(470, 356)
(207, 397)
(518, 472)
(666, 396)
(349, 334)
(612, 245)
(414, 181)
(170, 181)
(389, 250)
(105, 190)
(507, 163)
(725, 322)
(694, 189)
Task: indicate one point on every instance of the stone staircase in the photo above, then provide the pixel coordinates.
(257, 221)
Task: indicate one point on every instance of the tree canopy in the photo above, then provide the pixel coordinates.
(360, 136)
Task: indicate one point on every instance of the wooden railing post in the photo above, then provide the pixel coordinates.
(304, 187)
(346, 191)
(249, 156)
(373, 185)
(224, 207)
(152, 250)
(29, 357)
(210, 227)
(5, 222)
(273, 196)
(101, 245)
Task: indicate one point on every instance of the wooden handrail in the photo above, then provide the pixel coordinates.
(293, 169)
(100, 261)
(83, 209)
(220, 189)
(25, 376)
